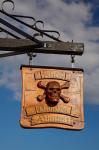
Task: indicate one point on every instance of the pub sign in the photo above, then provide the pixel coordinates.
(52, 97)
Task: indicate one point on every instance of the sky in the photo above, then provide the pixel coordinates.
(76, 20)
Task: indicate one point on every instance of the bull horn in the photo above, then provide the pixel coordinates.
(41, 85)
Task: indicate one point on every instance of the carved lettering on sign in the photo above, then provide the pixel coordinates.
(46, 74)
(60, 109)
(43, 118)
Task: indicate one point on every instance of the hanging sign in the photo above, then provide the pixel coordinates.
(52, 97)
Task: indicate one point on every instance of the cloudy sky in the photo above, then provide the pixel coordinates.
(76, 20)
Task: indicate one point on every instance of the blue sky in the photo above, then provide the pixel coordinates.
(78, 21)
(12, 136)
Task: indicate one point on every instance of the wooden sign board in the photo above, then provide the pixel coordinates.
(52, 97)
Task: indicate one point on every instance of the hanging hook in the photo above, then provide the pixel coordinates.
(73, 61)
(31, 56)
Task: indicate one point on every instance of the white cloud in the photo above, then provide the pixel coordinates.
(92, 86)
(70, 20)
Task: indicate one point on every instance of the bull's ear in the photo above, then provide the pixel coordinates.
(41, 85)
(66, 85)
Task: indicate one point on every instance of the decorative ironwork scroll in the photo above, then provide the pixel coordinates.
(56, 46)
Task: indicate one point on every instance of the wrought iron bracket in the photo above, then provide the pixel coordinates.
(29, 43)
